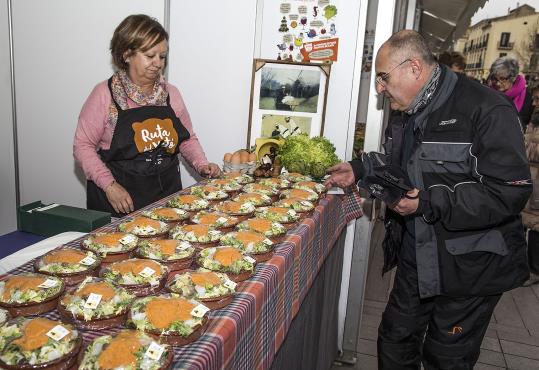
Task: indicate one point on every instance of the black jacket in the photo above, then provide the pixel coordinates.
(469, 162)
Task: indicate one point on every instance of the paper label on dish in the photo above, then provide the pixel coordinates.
(267, 241)
(291, 212)
(222, 220)
(57, 333)
(249, 259)
(128, 239)
(93, 301)
(88, 261)
(199, 311)
(147, 272)
(335, 190)
(49, 283)
(214, 232)
(230, 284)
(154, 351)
(305, 203)
(183, 246)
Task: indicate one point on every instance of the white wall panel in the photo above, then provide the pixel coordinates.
(8, 217)
(210, 61)
(61, 53)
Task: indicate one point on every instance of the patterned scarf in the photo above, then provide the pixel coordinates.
(424, 96)
(123, 88)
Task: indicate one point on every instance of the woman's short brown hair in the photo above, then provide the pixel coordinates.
(136, 32)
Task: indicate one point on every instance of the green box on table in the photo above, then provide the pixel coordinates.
(48, 220)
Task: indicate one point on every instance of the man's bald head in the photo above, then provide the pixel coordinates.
(408, 44)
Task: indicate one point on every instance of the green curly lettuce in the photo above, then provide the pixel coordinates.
(308, 156)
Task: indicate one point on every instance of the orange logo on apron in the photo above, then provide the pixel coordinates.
(152, 131)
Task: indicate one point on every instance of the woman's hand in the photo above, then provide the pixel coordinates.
(119, 198)
(211, 170)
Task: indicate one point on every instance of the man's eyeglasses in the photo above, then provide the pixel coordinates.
(383, 78)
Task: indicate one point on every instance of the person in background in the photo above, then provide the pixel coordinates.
(505, 78)
(456, 237)
(531, 140)
(453, 60)
(133, 125)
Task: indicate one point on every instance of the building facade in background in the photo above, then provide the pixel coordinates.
(514, 34)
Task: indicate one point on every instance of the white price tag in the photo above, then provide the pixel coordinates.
(154, 351)
(57, 333)
(291, 212)
(49, 283)
(88, 261)
(335, 190)
(267, 241)
(230, 284)
(249, 259)
(128, 239)
(214, 232)
(93, 301)
(199, 311)
(147, 272)
(183, 246)
(222, 220)
(305, 203)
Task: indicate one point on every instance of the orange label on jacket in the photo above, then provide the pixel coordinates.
(152, 131)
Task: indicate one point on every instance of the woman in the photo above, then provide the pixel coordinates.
(133, 125)
(504, 77)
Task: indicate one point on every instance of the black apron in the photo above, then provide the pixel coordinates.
(142, 156)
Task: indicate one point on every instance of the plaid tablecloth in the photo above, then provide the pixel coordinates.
(247, 333)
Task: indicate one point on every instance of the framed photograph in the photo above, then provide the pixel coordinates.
(287, 98)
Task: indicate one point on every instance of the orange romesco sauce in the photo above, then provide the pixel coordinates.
(205, 278)
(249, 196)
(121, 351)
(198, 230)
(166, 212)
(233, 174)
(162, 312)
(226, 256)
(135, 266)
(210, 188)
(167, 246)
(187, 199)
(232, 207)
(208, 218)
(247, 237)
(64, 256)
(259, 224)
(300, 193)
(222, 181)
(279, 210)
(34, 334)
(261, 187)
(109, 239)
(21, 282)
(101, 288)
(142, 222)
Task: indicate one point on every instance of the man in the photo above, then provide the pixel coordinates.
(462, 242)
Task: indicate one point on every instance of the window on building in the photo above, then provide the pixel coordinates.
(504, 40)
(534, 61)
(502, 54)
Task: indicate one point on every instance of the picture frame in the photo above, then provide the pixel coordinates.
(286, 98)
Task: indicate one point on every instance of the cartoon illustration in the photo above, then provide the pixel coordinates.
(282, 46)
(298, 41)
(330, 11)
(283, 27)
(293, 24)
(332, 29)
(315, 11)
(312, 33)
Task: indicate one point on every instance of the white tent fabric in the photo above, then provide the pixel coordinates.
(443, 22)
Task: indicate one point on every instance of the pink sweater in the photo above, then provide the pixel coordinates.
(93, 133)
